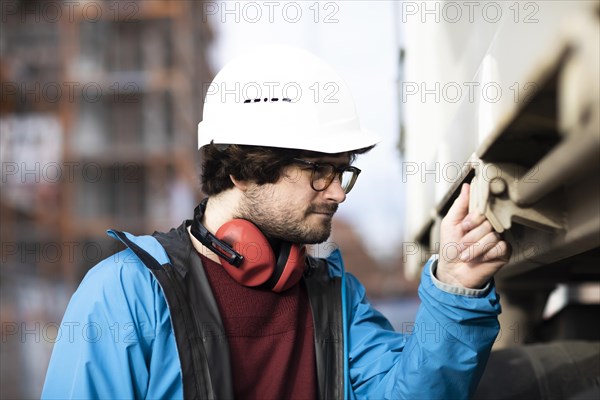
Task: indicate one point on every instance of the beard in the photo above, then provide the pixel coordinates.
(280, 219)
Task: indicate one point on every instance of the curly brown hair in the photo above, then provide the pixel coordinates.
(250, 163)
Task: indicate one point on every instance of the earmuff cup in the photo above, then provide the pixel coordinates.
(248, 257)
(289, 268)
(247, 240)
(260, 265)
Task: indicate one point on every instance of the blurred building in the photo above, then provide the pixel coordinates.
(386, 285)
(383, 278)
(98, 111)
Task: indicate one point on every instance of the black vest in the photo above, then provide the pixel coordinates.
(201, 341)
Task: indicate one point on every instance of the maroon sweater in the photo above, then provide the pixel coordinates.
(270, 337)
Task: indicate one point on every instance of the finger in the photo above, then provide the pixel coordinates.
(500, 252)
(477, 233)
(472, 221)
(480, 247)
(460, 208)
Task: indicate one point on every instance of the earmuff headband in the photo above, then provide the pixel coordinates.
(221, 248)
(261, 265)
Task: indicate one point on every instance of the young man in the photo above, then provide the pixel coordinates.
(230, 306)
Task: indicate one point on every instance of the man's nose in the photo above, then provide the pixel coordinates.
(335, 191)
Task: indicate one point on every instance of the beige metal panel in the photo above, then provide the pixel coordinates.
(517, 56)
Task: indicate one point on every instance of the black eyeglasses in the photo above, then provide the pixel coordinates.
(324, 173)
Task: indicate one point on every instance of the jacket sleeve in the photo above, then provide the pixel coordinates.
(115, 337)
(443, 357)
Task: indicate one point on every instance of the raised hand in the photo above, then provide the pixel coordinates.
(471, 252)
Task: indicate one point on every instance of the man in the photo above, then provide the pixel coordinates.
(229, 306)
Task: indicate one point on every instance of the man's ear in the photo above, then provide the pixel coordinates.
(239, 184)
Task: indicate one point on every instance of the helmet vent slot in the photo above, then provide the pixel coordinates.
(266, 99)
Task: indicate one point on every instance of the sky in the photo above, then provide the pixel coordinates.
(359, 39)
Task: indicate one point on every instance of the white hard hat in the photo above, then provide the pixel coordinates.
(280, 96)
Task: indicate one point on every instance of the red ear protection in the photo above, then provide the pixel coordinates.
(247, 255)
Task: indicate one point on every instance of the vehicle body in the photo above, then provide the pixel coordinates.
(505, 95)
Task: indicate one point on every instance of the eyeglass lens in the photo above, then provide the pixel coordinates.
(324, 175)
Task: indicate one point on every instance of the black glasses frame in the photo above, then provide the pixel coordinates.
(336, 172)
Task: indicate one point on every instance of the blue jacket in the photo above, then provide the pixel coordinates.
(116, 339)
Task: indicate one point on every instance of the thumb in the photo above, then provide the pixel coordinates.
(460, 207)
